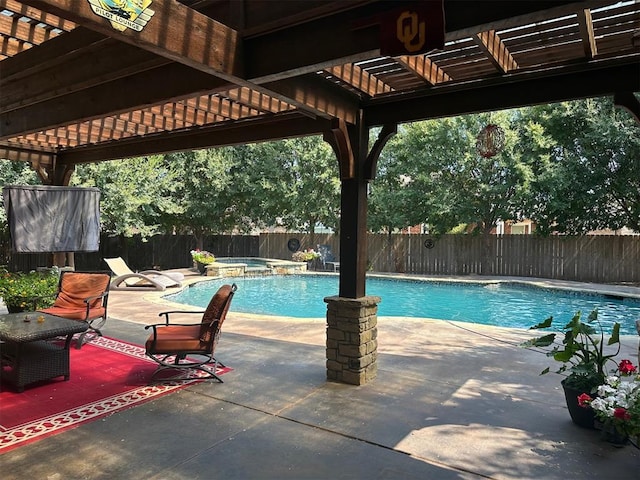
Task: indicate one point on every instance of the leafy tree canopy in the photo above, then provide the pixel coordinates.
(431, 173)
(593, 176)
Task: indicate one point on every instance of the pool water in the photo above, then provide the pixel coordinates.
(506, 305)
(250, 262)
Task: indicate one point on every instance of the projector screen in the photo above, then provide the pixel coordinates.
(44, 218)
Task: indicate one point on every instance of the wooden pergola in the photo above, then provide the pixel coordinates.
(94, 80)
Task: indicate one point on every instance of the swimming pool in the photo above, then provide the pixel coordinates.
(499, 304)
(251, 262)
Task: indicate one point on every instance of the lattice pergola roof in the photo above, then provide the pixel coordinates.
(217, 72)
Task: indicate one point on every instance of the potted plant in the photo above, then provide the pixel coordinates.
(28, 291)
(202, 258)
(583, 359)
(617, 405)
(307, 255)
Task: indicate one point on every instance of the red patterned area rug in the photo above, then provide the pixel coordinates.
(107, 376)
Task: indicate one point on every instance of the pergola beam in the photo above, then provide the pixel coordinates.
(586, 33)
(108, 98)
(425, 69)
(360, 79)
(174, 31)
(495, 49)
(522, 90)
(235, 132)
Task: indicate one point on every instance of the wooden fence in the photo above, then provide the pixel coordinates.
(160, 251)
(593, 258)
(600, 258)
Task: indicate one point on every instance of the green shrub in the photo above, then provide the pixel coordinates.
(28, 291)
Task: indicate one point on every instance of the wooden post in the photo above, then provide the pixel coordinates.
(352, 316)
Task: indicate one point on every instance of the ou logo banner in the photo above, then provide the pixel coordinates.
(412, 29)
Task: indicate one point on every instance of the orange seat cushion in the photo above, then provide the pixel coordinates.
(176, 338)
(75, 287)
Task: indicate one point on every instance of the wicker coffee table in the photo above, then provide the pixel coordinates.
(33, 351)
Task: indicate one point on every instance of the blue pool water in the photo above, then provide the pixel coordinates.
(506, 305)
(249, 261)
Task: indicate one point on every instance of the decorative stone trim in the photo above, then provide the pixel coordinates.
(352, 343)
(272, 267)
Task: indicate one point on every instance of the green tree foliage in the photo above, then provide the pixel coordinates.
(571, 167)
(313, 176)
(134, 193)
(593, 177)
(292, 183)
(200, 196)
(431, 173)
(15, 173)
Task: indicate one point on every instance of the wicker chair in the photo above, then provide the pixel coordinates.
(190, 347)
(83, 296)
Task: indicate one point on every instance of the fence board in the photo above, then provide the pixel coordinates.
(598, 258)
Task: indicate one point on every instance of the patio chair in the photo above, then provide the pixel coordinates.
(190, 348)
(127, 279)
(82, 296)
(327, 258)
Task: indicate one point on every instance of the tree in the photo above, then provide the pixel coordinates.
(291, 183)
(15, 173)
(431, 173)
(441, 180)
(134, 193)
(313, 171)
(201, 193)
(593, 179)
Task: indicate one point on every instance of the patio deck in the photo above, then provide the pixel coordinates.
(451, 400)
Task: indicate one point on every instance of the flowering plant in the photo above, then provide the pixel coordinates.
(581, 351)
(618, 400)
(202, 256)
(29, 291)
(305, 255)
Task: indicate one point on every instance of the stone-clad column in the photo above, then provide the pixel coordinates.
(352, 344)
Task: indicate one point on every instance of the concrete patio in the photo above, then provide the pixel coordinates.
(451, 400)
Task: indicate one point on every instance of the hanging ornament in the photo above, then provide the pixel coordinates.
(490, 141)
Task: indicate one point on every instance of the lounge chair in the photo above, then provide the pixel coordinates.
(184, 347)
(327, 258)
(127, 279)
(82, 296)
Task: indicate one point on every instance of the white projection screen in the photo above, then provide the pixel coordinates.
(45, 218)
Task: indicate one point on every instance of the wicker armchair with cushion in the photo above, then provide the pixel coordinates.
(190, 348)
(83, 296)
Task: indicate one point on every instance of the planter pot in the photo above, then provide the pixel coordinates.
(609, 434)
(583, 417)
(15, 309)
(202, 268)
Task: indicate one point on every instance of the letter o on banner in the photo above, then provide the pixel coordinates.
(429, 243)
(293, 244)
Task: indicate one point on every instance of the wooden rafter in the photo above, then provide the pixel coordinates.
(38, 16)
(28, 32)
(259, 101)
(490, 43)
(425, 68)
(10, 46)
(170, 34)
(360, 79)
(586, 33)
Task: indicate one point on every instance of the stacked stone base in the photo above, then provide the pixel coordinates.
(352, 344)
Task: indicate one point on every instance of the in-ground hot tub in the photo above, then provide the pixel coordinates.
(252, 266)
